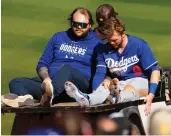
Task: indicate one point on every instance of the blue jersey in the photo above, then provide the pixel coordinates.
(137, 60)
(64, 48)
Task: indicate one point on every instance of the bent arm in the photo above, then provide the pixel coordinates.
(99, 77)
(100, 71)
(46, 59)
(150, 64)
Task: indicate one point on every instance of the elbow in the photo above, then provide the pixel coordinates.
(41, 64)
(158, 74)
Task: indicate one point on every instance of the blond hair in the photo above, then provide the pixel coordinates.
(113, 24)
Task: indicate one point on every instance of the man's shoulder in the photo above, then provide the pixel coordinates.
(137, 42)
(134, 39)
(59, 35)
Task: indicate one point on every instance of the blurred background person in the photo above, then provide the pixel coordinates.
(115, 124)
(160, 122)
(106, 126)
(124, 125)
(76, 123)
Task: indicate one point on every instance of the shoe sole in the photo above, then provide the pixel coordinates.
(46, 99)
(15, 101)
(72, 91)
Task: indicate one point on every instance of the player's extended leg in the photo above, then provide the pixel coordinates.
(23, 90)
(99, 96)
(83, 99)
(74, 92)
(24, 86)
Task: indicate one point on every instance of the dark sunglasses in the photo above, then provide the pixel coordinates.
(79, 24)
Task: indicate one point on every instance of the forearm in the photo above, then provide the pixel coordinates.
(154, 80)
(155, 77)
(43, 73)
(97, 80)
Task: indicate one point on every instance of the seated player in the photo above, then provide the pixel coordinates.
(130, 60)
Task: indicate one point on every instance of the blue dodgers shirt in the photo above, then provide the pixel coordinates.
(137, 60)
(64, 48)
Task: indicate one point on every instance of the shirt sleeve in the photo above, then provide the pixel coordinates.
(101, 69)
(147, 58)
(47, 56)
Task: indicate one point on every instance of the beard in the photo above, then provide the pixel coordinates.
(118, 45)
(79, 33)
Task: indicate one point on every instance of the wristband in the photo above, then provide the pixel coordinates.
(153, 88)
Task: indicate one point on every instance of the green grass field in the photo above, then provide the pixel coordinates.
(28, 24)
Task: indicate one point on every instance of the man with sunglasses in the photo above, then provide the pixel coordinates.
(68, 56)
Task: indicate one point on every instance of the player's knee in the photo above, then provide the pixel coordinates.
(15, 84)
(102, 89)
(129, 87)
(126, 96)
